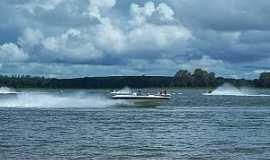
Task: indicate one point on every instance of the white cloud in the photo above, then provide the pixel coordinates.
(96, 7)
(140, 15)
(94, 31)
(103, 42)
(30, 37)
(56, 43)
(10, 52)
(147, 10)
(71, 45)
(110, 38)
(165, 11)
(36, 4)
(104, 4)
(150, 36)
(147, 30)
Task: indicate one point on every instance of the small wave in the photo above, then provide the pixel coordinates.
(230, 90)
(175, 93)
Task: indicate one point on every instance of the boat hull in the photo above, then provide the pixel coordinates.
(143, 100)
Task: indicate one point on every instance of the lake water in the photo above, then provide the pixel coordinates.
(85, 124)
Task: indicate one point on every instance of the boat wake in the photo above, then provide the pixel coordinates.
(53, 100)
(230, 90)
(6, 90)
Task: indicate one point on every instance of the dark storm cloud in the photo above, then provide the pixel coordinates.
(224, 15)
(233, 31)
(255, 37)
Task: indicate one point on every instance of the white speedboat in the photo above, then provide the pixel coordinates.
(141, 99)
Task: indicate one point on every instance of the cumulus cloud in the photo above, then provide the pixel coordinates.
(148, 11)
(34, 5)
(30, 37)
(70, 46)
(110, 38)
(96, 9)
(10, 52)
(148, 32)
(156, 37)
(167, 34)
(165, 11)
(56, 43)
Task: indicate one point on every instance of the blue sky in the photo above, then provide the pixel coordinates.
(71, 38)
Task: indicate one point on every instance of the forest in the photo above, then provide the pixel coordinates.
(182, 78)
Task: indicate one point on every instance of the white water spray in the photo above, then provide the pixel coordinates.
(6, 90)
(34, 99)
(230, 90)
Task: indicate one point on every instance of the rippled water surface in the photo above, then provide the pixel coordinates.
(86, 124)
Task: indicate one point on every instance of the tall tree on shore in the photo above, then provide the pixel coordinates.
(182, 78)
(264, 79)
(201, 78)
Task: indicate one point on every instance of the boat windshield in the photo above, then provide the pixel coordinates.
(124, 91)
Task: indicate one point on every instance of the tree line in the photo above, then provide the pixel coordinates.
(182, 78)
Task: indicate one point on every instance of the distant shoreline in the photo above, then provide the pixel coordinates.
(183, 79)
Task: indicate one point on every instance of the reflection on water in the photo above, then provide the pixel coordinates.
(85, 124)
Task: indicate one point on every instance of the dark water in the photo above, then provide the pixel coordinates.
(85, 125)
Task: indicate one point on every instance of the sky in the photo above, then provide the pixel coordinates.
(77, 38)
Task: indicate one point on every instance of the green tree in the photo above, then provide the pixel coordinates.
(182, 78)
(199, 78)
(264, 79)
